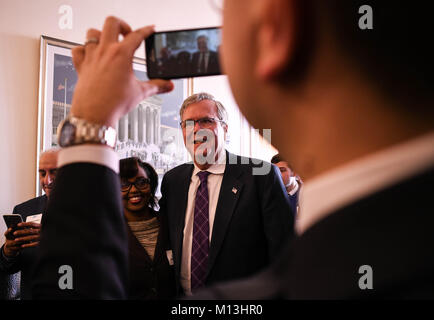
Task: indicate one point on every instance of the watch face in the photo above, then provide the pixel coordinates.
(110, 137)
(67, 134)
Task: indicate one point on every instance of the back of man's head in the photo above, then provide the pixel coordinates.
(388, 41)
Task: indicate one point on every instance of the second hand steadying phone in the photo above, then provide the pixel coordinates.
(183, 53)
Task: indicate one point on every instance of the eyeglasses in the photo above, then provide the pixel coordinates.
(203, 122)
(140, 184)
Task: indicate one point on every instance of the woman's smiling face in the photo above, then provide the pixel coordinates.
(136, 191)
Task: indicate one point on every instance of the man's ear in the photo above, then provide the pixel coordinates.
(225, 130)
(276, 38)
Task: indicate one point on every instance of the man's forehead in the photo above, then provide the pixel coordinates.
(202, 108)
(48, 161)
(282, 164)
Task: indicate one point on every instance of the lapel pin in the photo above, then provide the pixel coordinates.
(234, 190)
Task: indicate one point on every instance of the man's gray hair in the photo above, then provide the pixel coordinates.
(50, 150)
(198, 97)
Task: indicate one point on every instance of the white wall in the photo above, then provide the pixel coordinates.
(22, 22)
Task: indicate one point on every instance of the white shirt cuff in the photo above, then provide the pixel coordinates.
(89, 153)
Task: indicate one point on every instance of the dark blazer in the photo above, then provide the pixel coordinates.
(213, 63)
(25, 261)
(251, 225)
(391, 231)
(150, 279)
(84, 228)
(293, 200)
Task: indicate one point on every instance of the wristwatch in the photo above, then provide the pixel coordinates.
(74, 131)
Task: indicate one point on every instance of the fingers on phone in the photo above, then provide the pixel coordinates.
(29, 224)
(134, 39)
(27, 238)
(30, 245)
(113, 27)
(20, 233)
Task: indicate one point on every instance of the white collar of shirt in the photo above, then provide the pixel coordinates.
(216, 168)
(346, 184)
(294, 191)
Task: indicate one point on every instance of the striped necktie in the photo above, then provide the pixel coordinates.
(200, 244)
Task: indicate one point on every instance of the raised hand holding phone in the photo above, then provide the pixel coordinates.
(19, 235)
(107, 87)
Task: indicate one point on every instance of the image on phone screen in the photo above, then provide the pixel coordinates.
(183, 53)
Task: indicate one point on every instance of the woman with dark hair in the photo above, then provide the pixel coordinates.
(151, 274)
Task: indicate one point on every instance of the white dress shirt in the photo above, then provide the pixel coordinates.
(363, 177)
(294, 191)
(214, 184)
(206, 57)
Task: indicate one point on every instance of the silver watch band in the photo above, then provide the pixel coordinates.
(87, 132)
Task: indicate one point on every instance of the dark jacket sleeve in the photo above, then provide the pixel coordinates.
(83, 228)
(278, 217)
(9, 266)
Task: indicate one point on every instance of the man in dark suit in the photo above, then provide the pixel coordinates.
(19, 254)
(204, 60)
(248, 218)
(290, 182)
(348, 93)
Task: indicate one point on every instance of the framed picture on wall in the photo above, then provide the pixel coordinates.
(150, 131)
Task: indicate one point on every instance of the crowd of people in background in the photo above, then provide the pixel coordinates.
(157, 268)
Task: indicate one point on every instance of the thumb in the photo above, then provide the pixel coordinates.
(151, 87)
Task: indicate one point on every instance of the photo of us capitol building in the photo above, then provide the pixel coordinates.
(141, 134)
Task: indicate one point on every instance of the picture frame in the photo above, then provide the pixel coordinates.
(150, 131)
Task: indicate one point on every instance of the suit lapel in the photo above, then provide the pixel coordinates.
(182, 200)
(43, 204)
(230, 192)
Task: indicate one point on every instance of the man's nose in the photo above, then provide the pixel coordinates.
(48, 179)
(197, 126)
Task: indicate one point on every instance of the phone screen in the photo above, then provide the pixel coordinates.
(183, 53)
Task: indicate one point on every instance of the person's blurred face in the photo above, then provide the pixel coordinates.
(47, 171)
(285, 171)
(199, 139)
(238, 51)
(202, 44)
(136, 191)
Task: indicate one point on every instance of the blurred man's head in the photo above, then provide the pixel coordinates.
(202, 44)
(285, 169)
(330, 91)
(47, 169)
(205, 138)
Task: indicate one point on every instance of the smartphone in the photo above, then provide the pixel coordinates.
(12, 220)
(183, 53)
